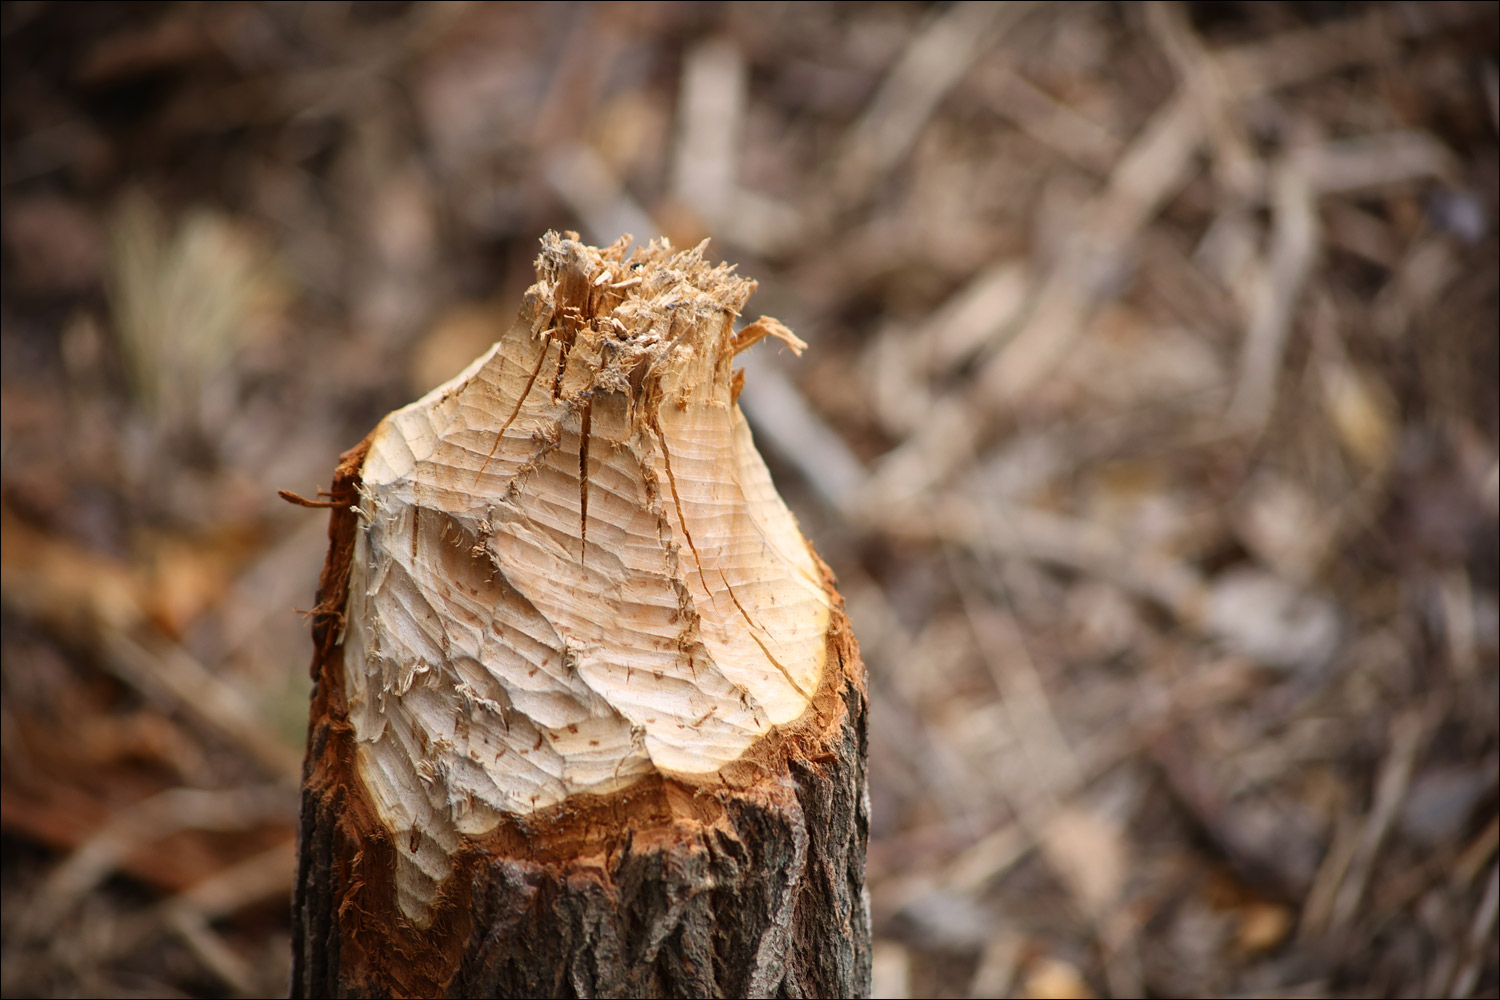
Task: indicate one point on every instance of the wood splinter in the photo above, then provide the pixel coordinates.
(588, 717)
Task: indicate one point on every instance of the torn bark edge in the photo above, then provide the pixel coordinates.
(349, 937)
(297, 500)
(333, 582)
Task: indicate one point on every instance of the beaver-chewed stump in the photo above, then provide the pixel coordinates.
(588, 719)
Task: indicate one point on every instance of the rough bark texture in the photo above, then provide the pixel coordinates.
(742, 880)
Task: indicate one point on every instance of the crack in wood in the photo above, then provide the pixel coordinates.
(520, 401)
(754, 626)
(583, 480)
(666, 458)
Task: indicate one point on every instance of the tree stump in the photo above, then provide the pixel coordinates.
(588, 717)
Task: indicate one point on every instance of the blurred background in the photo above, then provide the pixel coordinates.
(1149, 423)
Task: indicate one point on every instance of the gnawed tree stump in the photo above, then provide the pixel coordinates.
(589, 719)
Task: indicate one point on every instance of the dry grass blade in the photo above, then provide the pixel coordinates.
(931, 65)
(792, 429)
(148, 821)
(1410, 731)
(160, 666)
(1480, 938)
(710, 122)
(1273, 299)
(587, 184)
(1087, 274)
(185, 301)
